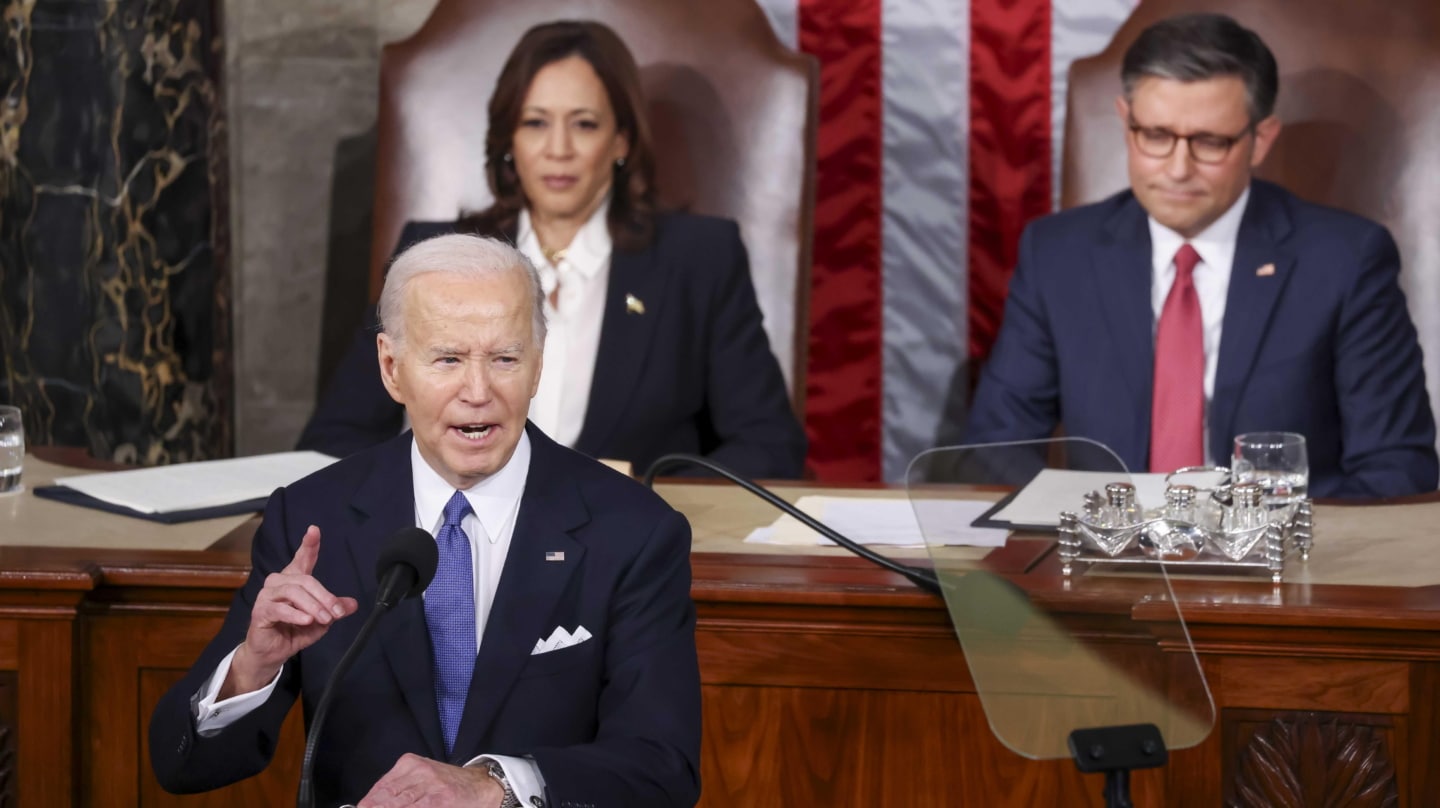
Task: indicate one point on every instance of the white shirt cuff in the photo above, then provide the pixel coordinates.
(523, 775)
(211, 716)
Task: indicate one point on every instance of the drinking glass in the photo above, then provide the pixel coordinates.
(12, 448)
(1278, 462)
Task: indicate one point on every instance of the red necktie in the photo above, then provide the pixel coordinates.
(1177, 412)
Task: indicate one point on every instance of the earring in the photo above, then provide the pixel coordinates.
(509, 158)
(619, 162)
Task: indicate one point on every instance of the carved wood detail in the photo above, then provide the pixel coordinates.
(1306, 760)
(9, 712)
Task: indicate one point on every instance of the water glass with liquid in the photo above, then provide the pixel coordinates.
(12, 448)
(1277, 461)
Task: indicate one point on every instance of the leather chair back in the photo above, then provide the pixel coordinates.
(732, 111)
(1360, 102)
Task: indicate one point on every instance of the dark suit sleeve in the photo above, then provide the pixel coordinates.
(754, 430)
(647, 745)
(356, 412)
(1387, 428)
(1018, 396)
(186, 762)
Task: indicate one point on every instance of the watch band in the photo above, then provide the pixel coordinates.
(497, 771)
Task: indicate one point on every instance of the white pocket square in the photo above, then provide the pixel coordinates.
(560, 638)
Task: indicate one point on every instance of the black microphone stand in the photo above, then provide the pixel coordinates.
(923, 578)
(306, 796)
(395, 586)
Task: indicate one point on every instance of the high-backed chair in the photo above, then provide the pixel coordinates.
(1360, 102)
(732, 112)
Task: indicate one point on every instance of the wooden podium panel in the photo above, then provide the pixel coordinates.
(826, 682)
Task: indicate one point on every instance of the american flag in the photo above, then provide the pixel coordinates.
(554, 555)
(939, 137)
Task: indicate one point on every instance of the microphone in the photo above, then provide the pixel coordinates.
(406, 566)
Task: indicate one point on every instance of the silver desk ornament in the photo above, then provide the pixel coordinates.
(1226, 527)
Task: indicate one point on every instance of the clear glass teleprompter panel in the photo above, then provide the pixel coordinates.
(1052, 655)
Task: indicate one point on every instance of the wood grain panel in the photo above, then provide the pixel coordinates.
(48, 709)
(9, 645)
(9, 728)
(134, 659)
(1314, 684)
(782, 747)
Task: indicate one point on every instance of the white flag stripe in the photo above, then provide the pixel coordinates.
(925, 87)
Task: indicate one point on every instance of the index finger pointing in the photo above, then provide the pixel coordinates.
(309, 552)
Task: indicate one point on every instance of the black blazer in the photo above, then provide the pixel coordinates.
(612, 721)
(693, 373)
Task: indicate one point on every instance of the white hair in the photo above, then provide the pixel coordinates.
(459, 254)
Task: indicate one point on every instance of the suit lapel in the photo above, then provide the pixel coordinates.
(1123, 270)
(625, 338)
(530, 586)
(1249, 304)
(387, 498)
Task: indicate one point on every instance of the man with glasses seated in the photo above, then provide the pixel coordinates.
(1203, 303)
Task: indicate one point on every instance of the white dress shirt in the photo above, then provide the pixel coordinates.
(1216, 246)
(583, 277)
(494, 503)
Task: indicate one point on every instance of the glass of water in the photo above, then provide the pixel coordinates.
(1278, 462)
(12, 448)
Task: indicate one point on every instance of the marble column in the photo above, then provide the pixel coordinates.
(114, 227)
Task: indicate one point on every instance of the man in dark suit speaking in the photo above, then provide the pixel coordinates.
(551, 662)
(1201, 303)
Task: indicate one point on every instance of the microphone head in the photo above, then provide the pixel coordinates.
(410, 548)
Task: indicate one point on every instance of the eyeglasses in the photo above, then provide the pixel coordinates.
(1205, 147)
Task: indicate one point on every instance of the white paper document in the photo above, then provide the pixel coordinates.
(205, 484)
(1054, 490)
(885, 521)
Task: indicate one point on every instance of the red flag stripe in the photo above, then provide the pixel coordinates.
(1010, 174)
(843, 379)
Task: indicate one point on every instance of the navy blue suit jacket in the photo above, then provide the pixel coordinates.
(693, 373)
(1324, 346)
(612, 721)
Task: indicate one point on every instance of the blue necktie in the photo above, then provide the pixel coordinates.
(450, 614)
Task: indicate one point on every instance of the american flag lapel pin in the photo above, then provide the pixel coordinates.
(1265, 271)
(633, 304)
(554, 555)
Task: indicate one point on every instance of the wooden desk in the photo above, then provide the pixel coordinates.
(826, 682)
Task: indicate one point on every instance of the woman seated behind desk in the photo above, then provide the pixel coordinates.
(655, 341)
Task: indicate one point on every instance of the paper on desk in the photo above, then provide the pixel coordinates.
(1054, 490)
(204, 484)
(884, 521)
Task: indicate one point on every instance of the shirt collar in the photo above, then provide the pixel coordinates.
(1215, 244)
(587, 253)
(493, 499)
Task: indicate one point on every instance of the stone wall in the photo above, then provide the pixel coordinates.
(303, 83)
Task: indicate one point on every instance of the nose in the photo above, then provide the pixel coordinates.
(1179, 165)
(475, 387)
(558, 145)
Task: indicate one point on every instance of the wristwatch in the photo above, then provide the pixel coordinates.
(497, 771)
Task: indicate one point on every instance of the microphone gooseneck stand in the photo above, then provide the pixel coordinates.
(306, 798)
(405, 568)
(923, 578)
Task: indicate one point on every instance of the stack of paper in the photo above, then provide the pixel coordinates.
(191, 486)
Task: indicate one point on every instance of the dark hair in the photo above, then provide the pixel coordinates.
(1195, 47)
(632, 197)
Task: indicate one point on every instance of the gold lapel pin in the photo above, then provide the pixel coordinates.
(1265, 271)
(633, 304)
